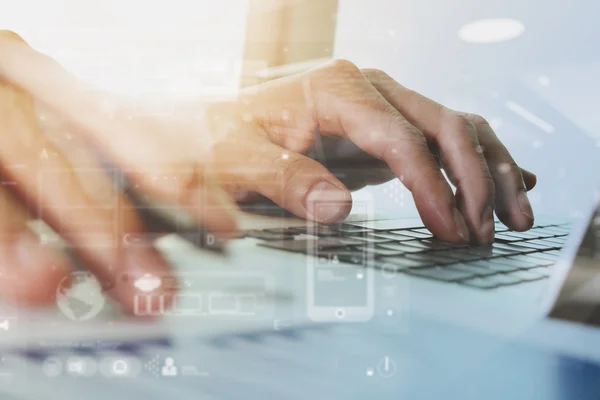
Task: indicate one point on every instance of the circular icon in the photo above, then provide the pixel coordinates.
(52, 367)
(340, 313)
(81, 366)
(386, 367)
(120, 367)
(79, 296)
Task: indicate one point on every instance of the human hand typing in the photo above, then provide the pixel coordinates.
(53, 166)
(258, 143)
(363, 119)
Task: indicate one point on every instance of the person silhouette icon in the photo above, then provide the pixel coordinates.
(169, 369)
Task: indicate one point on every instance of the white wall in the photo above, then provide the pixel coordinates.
(131, 46)
(553, 70)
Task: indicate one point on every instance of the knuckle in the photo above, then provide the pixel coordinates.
(343, 65)
(459, 124)
(462, 122)
(477, 119)
(375, 73)
(8, 34)
(191, 182)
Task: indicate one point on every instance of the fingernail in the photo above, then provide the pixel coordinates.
(460, 225)
(326, 202)
(524, 204)
(487, 228)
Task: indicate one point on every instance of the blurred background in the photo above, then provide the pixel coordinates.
(531, 68)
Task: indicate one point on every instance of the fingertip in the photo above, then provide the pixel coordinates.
(518, 216)
(517, 222)
(529, 178)
(327, 203)
(437, 207)
(31, 273)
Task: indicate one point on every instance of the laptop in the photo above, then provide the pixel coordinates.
(296, 302)
(339, 265)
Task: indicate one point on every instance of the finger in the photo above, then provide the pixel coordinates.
(293, 181)
(29, 271)
(513, 206)
(79, 203)
(145, 150)
(530, 179)
(345, 102)
(456, 140)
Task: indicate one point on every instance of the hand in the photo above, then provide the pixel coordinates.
(51, 170)
(363, 119)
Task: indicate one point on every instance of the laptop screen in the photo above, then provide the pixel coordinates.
(579, 298)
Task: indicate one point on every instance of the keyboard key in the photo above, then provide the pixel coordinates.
(526, 276)
(371, 238)
(553, 252)
(429, 259)
(348, 228)
(401, 247)
(539, 245)
(446, 274)
(473, 268)
(422, 230)
(378, 251)
(418, 244)
(488, 251)
(498, 266)
(522, 235)
(319, 230)
(309, 245)
(458, 255)
(396, 263)
(500, 227)
(557, 231)
(413, 234)
(480, 283)
(514, 263)
(514, 248)
(507, 238)
(543, 271)
(532, 261)
(542, 232)
(394, 236)
(505, 279)
(263, 235)
(545, 257)
(560, 241)
(436, 244)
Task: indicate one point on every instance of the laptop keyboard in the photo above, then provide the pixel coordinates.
(514, 258)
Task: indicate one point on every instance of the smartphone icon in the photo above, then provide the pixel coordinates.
(340, 281)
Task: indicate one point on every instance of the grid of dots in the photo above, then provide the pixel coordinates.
(395, 191)
(153, 366)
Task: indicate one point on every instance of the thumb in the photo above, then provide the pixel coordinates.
(295, 182)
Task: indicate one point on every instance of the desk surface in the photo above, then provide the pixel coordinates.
(328, 361)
